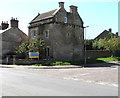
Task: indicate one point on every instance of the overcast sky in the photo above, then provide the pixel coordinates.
(98, 15)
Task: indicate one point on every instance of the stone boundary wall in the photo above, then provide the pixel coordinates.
(97, 54)
(23, 61)
(89, 55)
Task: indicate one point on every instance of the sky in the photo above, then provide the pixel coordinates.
(98, 15)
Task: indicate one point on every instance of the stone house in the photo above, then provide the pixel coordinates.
(62, 31)
(11, 37)
(105, 34)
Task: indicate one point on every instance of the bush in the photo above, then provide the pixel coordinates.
(37, 65)
(53, 64)
(61, 63)
(47, 64)
(66, 63)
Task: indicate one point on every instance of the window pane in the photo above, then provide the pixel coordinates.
(65, 19)
(46, 34)
(34, 33)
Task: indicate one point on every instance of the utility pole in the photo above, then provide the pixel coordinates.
(85, 32)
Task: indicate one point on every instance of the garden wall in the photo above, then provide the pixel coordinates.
(97, 54)
(89, 55)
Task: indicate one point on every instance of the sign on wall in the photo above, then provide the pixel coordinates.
(33, 54)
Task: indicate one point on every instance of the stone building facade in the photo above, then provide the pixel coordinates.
(10, 38)
(62, 31)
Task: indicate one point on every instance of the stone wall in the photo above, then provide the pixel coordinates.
(97, 54)
(9, 47)
(67, 42)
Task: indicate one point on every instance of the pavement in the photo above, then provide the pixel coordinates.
(39, 67)
(108, 64)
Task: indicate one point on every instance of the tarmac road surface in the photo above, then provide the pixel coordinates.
(25, 82)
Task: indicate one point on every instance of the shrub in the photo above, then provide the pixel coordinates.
(61, 63)
(47, 64)
(53, 64)
(66, 63)
(37, 65)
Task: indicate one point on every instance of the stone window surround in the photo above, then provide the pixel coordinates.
(33, 33)
(46, 33)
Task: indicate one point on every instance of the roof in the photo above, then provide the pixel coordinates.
(104, 34)
(45, 15)
(1, 31)
(14, 35)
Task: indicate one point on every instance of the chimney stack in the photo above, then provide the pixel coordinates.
(73, 9)
(4, 25)
(116, 33)
(14, 22)
(110, 30)
(61, 4)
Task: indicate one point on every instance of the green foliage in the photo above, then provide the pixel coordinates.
(23, 48)
(36, 45)
(110, 43)
(99, 45)
(88, 43)
(96, 60)
(109, 36)
(95, 45)
(109, 59)
(61, 63)
(53, 64)
(89, 61)
(113, 44)
(37, 65)
(47, 64)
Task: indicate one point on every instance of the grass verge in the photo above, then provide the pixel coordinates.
(89, 61)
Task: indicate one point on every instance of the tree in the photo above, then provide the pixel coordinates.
(113, 45)
(99, 45)
(23, 48)
(35, 45)
(109, 36)
(88, 43)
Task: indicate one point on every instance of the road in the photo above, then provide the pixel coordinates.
(26, 82)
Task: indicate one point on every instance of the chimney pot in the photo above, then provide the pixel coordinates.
(116, 33)
(110, 30)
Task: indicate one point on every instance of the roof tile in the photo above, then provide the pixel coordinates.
(44, 15)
